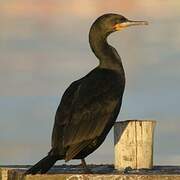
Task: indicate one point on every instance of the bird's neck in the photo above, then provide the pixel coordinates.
(106, 54)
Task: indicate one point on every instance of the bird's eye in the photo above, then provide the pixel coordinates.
(123, 19)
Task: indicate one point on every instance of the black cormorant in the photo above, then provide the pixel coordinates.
(90, 105)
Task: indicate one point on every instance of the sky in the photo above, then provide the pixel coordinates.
(44, 47)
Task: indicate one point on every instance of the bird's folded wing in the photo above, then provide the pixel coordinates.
(89, 118)
(86, 124)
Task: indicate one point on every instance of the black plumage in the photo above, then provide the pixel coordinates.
(90, 105)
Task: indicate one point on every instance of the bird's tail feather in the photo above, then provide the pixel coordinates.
(43, 165)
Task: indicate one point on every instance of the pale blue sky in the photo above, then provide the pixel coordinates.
(44, 47)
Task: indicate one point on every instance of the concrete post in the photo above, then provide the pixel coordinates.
(133, 141)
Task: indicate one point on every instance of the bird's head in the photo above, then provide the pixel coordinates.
(109, 23)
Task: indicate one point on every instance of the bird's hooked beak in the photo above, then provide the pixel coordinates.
(128, 23)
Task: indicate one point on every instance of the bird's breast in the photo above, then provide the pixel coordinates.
(103, 82)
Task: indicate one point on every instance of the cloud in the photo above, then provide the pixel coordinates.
(86, 8)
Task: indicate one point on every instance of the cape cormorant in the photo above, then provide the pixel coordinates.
(90, 105)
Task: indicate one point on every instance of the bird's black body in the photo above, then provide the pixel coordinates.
(90, 105)
(87, 112)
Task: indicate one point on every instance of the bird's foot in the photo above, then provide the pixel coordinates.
(84, 165)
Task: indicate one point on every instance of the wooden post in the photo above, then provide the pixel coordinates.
(133, 141)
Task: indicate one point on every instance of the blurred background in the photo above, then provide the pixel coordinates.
(44, 47)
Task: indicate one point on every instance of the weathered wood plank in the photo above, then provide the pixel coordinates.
(133, 141)
(100, 172)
